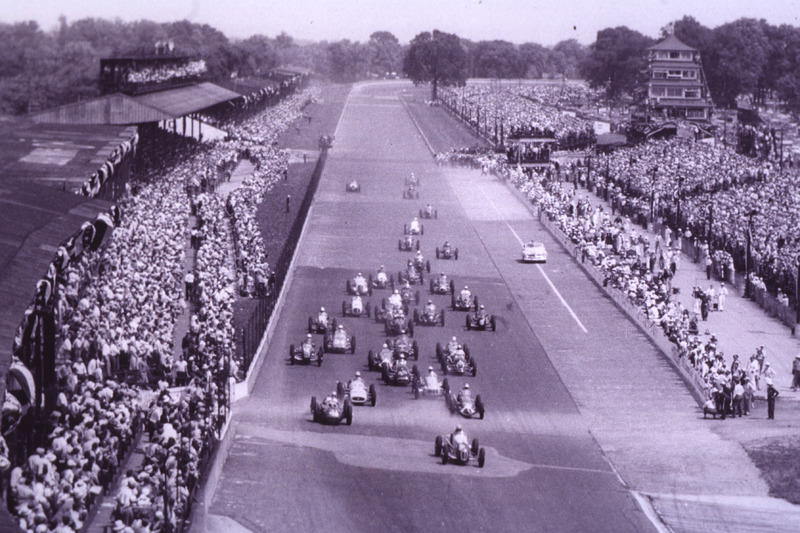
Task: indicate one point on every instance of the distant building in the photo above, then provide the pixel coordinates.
(676, 85)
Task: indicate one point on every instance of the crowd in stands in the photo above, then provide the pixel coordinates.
(559, 94)
(117, 310)
(163, 73)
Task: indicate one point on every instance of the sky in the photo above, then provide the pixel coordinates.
(544, 22)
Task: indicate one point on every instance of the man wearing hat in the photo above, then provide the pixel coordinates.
(796, 372)
(772, 394)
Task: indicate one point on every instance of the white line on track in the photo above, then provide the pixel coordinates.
(541, 270)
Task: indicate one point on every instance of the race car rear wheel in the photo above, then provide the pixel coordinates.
(415, 350)
(319, 356)
(481, 457)
(370, 365)
(349, 287)
(340, 389)
(455, 255)
(480, 407)
(385, 374)
(411, 328)
(439, 351)
(475, 447)
(444, 457)
(452, 287)
(437, 446)
(348, 412)
(314, 406)
(474, 368)
(446, 387)
(310, 325)
(373, 395)
(353, 344)
(437, 252)
(399, 245)
(367, 309)
(431, 286)
(344, 308)
(441, 318)
(469, 324)
(476, 303)
(493, 323)
(291, 354)
(416, 316)
(415, 389)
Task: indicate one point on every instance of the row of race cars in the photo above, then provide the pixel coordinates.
(400, 313)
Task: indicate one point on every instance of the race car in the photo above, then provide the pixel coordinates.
(339, 342)
(427, 318)
(412, 180)
(464, 300)
(408, 296)
(356, 307)
(305, 354)
(357, 391)
(359, 285)
(353, 186)
(442, 285)
(534, 252)
(415, 228)
(429, 213)
(430, 386)
(403, 345)
(332, 411)
(466, 405)
(322, 323)
(456, 360)
(399, 373)
(421, 264)
(411, 275)
(447, 252)
(376, 360)
(481, 320)
(381, 280)
(397, 325)
(388, 311)
(410, 192)
(408, 244)
(455, 450)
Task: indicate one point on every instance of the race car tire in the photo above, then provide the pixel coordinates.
(466, 351)
(369, 280)
(385, 374)
(344, 308)
(453, 301)
(416, 316)
(415, 371)
(416, 293)
(452, 287)
(474, 368)
(422, 229)
(480, 407)
(444, 457)
(415, 350)
(428, 266)
(411, 328)
(455, 255)
(417, 245)
(369, 289)
(349, 287)
(391, 282)
(310, 325)
(415, 389)
(475, 447)
(437, 446)
(348, 412)
(314, 406)
(446, 386)
(444, 368)
(437, 252)
(335, 324)
(367, 309)
(493, 322)
(475, 301)
(431, 287)
(439, 351)
(405, 229)
(319, 357)
(291, 353)
(469, 323)
(340, 389)
(441, 318)
(399, 245)
(325, 343)
(481, 458)
(370, 364)
(373, 395)
(353, 344)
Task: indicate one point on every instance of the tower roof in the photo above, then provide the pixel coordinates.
(672, 43)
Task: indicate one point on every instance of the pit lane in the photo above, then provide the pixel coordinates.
(544, 470)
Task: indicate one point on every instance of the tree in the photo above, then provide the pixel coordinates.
(534, 58)
(436, 58)
(568, 55)
(617, 60)
(496, 59)
(385, 52)
(737, 59)
(348, 60)
(256, 56)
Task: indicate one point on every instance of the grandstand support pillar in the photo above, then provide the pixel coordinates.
(797, 292)
(191, 123)
(184, 125)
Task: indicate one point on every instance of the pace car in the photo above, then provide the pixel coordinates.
(356, 307)
(339, 342)
(455, 449)
(332, 410)
(534, 252)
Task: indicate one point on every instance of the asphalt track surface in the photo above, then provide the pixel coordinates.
(544, 471)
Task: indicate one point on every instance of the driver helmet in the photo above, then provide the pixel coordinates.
(446, 243)
(396, 291)
(466, 288)
(385, 345)
(402, 356)
(359, 275)
(341, 326)
(381, 267)
(458, 427)
(454, 338)
(333, 394)
(430, 369)
(466, 385)
(441, 274)
(308, 336)
(481, 306)
(321, 309)
(358, 374)
(415, 219)
(430, 301)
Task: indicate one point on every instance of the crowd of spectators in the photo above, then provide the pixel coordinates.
(116, 316)
(560, 94)
(163, 73)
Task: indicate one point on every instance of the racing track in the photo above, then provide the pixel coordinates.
(544, 470)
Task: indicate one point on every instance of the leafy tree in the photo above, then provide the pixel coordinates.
(496, 59)
(385, 52)
(736, 60)
(534, 58)
(348, 60)
(567, 58)
(436, 58)
(255, 56)
(617, 60)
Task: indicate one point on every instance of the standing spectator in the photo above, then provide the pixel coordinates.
(189, 280)
(796, 372)
(772, 394)
(288, 199)
(738, 398)
(722, 296)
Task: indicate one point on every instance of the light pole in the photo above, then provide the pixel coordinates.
(750, 216)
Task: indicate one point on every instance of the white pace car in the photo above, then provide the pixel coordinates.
(534, 252)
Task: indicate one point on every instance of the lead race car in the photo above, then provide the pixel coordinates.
(356, 307)
(359, 285)
(403, 345)
(377, 360)
(455, 358)
(357, 391)
(332, 410)
(408, 244)
(464, 300)
(415, 228)
(428, 212)
(456, 448)
(465, 403)
(410, 192)
(447, 251)
(381, 280)
(322, 323)
(353, 186)
(481, 320)
(339, 342)
(306, 354)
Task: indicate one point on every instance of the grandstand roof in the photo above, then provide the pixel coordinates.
(55, 155)
(185, 100)
(247, 85)
(34, 220)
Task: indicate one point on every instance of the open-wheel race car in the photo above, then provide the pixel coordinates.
(415, 228)
(464, 300)
(420, 263)
(481, 320)
(442, 285)
(455, 358)
(339, 341)
(353, 186)
(381, 280)
(465, 404)
(412, 180)
(447, 251)
(429, 316)
(357, 391)
(428, 212)
(384, 356)
(408, 244)
(322, 323)
(306, 353)
(410, 275)
(455, 448)
(399, 373)
(430, 386)
(410, 192)
(356, 307)
(332, 410)
(403, 345)
(359, 285)
(396, 324)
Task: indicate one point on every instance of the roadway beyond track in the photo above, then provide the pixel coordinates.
(544, 471)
